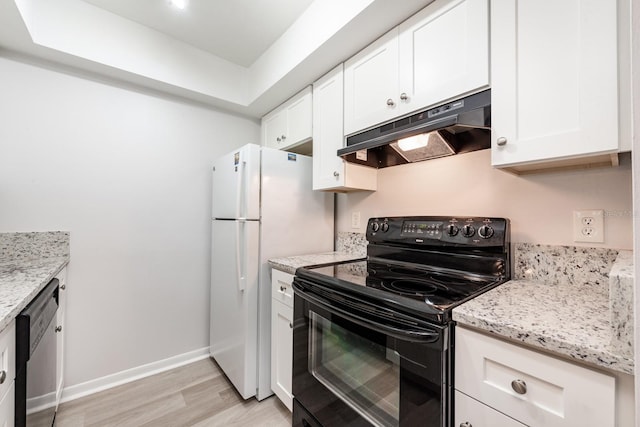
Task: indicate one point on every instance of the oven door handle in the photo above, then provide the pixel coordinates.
(412, 334)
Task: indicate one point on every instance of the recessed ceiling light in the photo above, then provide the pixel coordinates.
(180, 4)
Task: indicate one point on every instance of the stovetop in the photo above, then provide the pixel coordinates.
(423, 264)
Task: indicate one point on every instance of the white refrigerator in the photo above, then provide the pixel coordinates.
(263, 207)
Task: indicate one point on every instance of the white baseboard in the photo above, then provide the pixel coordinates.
(99, 384)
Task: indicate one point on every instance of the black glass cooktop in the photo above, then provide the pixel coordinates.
(439, 289)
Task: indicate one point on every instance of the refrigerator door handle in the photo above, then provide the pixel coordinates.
(240, 185)
(240, 252)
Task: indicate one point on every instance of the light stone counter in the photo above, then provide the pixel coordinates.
(20, 282)
(28, 261)
(571, 319)
(350, 246)
(290, 264)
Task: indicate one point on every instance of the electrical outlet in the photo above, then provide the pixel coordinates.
(588, 226)
(355, 220)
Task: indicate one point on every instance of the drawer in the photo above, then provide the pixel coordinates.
(470, 412)
(281, 289)
(8, 357)
(533, 388)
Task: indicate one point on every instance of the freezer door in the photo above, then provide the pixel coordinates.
(234, 301)
(236, 184)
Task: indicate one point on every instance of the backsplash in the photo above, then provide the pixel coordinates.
(621, 303)
(352, 243)
(564, 264)
(33, 245)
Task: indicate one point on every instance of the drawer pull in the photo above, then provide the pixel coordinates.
(519, 386)
(58, 329)
(466, 424)
(63, 287)
(282, 289)
(3, 377)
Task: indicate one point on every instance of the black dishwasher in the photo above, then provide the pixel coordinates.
(36, 360)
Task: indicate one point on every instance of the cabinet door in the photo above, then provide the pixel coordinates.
(328, 135)
(532, 387)
(553, 80)
(443, 53)
(7, 407)
(371, 84)
(282, 352)
(299, 113)
(7, 357)
(60, 319)
(330, 172)
(274, 125)
(470, 412)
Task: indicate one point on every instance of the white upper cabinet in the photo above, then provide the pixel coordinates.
(330, 172)
(444, 53)
(371, 84)
(289, 125)
(554, 68)
(439, 54)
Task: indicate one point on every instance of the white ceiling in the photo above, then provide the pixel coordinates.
(236, 30)
(258, 52)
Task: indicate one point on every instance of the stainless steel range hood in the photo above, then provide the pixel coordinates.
(456, 127)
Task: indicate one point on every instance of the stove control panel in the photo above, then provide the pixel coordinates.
(439, 231)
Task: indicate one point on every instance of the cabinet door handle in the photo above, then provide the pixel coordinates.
(336, 174)
(278, 139)
(466, 424)
(390, 102)
(3, 376)
(404, 96)
(502, 141)
(282, 289)
(63, 287)
(58, 329)
(284, 137)
(290, 325)
(519, 386)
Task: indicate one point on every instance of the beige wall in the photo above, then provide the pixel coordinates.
(540, 206)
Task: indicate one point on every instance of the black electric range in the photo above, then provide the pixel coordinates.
(399, 300)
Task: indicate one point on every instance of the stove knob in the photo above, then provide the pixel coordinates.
(375, 227)
(485, 232)
(468, 230)
(452, 230)
(385, 227)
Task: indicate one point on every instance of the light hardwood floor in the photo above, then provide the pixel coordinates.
(197, 394)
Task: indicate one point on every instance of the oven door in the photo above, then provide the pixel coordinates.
(358, 364)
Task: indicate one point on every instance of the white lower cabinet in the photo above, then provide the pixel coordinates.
(282, 336)
(471, 413)
(7, 375)
(60, 332)
(7, 407)
(532, 388)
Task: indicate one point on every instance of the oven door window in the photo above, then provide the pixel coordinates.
(362, 373)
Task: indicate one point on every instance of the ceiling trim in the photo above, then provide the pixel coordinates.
(79, 34)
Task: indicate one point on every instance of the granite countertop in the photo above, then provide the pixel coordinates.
(560, 317)
(20, 282)
(28, 261)
(290, 264)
